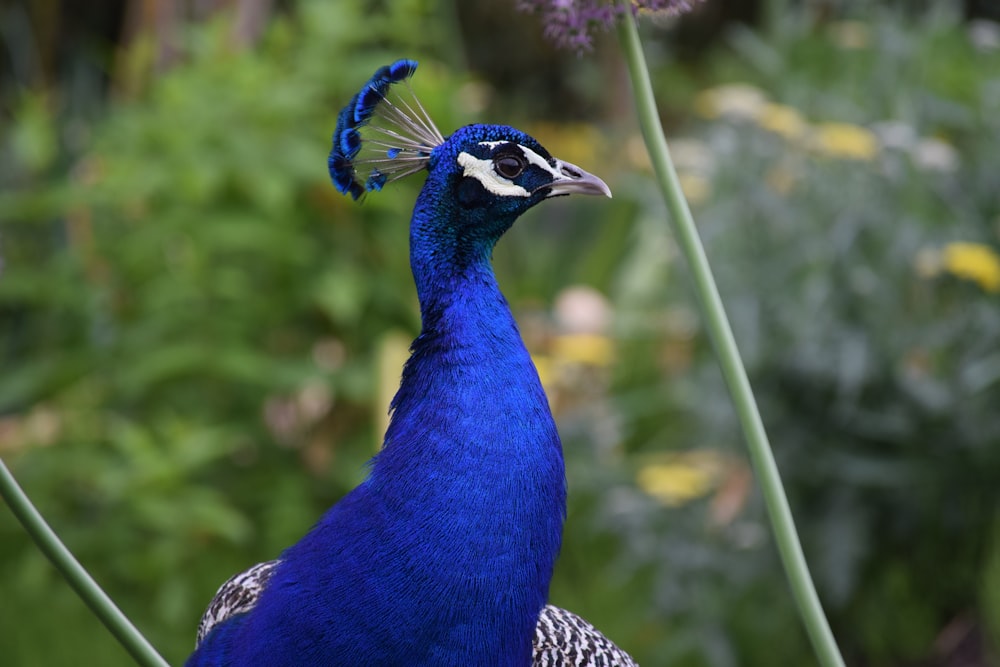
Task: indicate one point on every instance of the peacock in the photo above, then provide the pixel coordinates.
(444, 553)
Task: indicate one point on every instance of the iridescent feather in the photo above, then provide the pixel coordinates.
(383, 134)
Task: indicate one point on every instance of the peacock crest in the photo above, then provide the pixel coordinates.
(383, 134)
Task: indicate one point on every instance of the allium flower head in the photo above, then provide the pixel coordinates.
(569, 23)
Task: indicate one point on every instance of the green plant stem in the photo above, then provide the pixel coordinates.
(85, 586)
(725, 345)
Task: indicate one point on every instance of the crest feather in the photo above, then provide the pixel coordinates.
(381, 135)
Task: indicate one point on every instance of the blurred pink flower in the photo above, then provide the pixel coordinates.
(569, 23)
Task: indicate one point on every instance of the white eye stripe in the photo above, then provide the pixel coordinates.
(482, 170)
(531, 156)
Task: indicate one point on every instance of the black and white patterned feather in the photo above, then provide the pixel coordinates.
(562, 639)
(237, 595)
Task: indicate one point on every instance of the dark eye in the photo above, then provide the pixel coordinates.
(509, 166)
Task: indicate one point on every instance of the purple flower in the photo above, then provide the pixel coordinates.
(568, 23)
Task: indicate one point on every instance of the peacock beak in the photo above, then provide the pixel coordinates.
(570, 179)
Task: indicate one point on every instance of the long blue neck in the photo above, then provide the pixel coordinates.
(472, 451)
(443, 556)
(470, 402)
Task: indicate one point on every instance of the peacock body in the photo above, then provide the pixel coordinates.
(444, 554)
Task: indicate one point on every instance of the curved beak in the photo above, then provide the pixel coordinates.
(570, 180)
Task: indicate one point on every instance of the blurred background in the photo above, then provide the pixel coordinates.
(199, 337)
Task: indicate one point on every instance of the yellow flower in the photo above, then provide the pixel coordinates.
(681, 478)
(589, 349)
(782, 119)
(973, 261)
(546, 371)
(845, 140)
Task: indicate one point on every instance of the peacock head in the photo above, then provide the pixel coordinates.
(490, 174)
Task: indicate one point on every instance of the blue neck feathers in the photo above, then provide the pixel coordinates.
(443, 555)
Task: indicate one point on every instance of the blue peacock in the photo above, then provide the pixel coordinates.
(444, 554)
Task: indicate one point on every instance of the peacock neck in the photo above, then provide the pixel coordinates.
(469, 354)
(473, 459)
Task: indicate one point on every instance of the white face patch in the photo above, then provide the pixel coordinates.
(482, 171)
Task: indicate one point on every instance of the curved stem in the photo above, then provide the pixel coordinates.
(725, 346)
(81, 581)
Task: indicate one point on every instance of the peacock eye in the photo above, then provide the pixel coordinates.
(509, 166)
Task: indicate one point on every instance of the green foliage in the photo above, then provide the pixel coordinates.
(873, 355)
